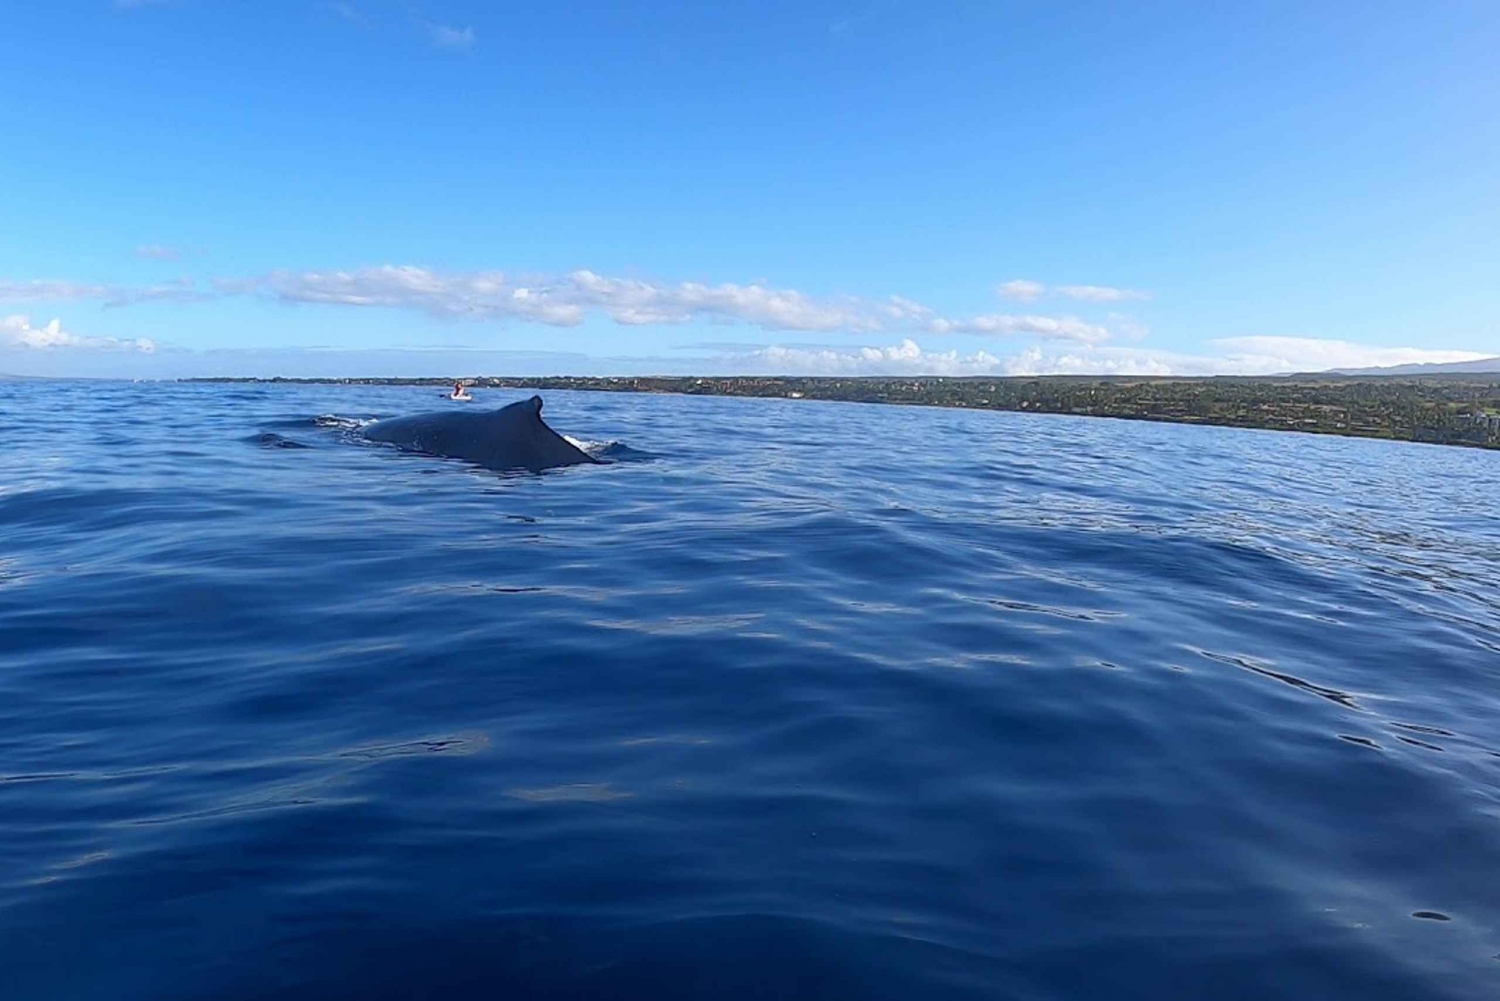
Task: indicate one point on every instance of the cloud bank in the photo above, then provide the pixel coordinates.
(568, 300)
(893, 328)
(50, 350)
(16, 332)
(1233, 356)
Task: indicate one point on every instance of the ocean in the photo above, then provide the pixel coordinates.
(799, 700)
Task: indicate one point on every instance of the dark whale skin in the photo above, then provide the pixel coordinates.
(511, 438)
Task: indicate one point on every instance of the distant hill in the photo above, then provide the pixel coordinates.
(1483, 366)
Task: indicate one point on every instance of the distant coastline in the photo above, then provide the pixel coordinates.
(1449, 409)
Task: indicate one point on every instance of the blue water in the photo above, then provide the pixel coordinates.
(812, 700)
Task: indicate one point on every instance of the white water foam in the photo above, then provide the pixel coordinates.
(592, 448)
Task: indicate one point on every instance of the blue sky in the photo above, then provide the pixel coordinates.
(388, 187)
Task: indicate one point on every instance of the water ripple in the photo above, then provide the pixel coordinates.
(821, 700)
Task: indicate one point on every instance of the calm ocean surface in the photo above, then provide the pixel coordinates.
(813, 700)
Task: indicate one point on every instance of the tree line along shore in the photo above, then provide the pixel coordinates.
(1449, 410)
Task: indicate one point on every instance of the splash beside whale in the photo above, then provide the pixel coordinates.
(511, 438)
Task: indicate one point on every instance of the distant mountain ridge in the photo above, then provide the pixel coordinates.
(1479, 366)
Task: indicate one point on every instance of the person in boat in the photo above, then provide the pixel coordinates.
(460, 393)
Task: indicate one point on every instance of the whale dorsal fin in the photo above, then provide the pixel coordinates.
(531, 406)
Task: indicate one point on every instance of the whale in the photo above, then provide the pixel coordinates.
(512, 438)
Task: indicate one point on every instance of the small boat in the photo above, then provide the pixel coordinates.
(459, 392)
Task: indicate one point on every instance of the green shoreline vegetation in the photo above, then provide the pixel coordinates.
(1440, 409)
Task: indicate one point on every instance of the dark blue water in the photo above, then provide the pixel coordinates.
(822, 700)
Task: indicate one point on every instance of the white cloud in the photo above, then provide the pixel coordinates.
(1228, 356)
(1021, 290)
(47, 290)
(1064, 328)
(901, 309)
(1306, 354)
(909, 358)
(1098, 361)
(50, 350)
(1068, 344)
(181, 290)
(1099, 293)
(1240, 356)
(568, 300)
(449, 37)
(632, 301)
(905, 358)
(1024, 290)
(17, 332)
(481, 295)
(51, 290)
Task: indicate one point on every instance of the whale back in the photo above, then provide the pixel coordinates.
(513, 437)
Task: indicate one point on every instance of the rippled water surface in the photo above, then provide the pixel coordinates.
(813, 700)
